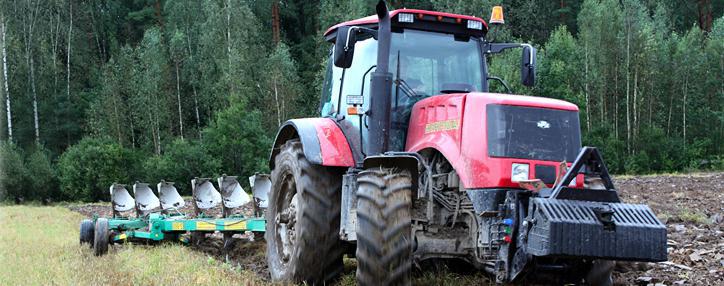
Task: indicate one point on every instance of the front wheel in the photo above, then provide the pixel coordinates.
(384, 245)
(302, 230)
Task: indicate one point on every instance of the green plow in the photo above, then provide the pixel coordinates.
(159, 218)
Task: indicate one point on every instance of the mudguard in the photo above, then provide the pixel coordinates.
(322, 140)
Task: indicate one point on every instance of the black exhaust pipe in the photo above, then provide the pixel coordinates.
(380, 88)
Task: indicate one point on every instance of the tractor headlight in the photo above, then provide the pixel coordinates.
(519, 172)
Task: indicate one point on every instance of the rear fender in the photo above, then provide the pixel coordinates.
(411, 162)
(322, 140)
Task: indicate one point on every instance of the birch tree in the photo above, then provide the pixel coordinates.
(8, 109)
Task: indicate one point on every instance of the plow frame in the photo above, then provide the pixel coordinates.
(158, 227)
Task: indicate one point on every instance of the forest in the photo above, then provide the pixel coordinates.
(101, 91)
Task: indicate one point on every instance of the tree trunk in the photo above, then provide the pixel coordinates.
(635, 103)
(628, 84)
(36, 119)
(671, 109)
(228, 43)
(588, 92)
(67, 62)
(275, 22)
(196, 110)
(276, 99)
(704, 9)
(5, 80)
(178, 97)
(686, 90)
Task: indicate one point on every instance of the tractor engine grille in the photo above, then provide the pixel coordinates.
(593, 229)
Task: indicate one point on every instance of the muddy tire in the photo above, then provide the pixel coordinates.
(302, 230)
(87, 229)
(384, 245)
(101, 237)
(601, 273)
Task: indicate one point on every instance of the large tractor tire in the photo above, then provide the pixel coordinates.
(302, 230)
(87, 231)
(384, 244)
(101, 237)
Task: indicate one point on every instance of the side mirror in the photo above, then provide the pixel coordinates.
(344, 46)
(527, 66)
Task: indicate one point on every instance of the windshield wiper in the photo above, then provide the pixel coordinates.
(405, 88)
(401, 84)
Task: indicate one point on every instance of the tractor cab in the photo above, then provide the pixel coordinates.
(430, 53)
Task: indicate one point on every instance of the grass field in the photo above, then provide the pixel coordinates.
(39, 246)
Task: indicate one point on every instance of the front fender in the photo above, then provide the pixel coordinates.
(322, 141)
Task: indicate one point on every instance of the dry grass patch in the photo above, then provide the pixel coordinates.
(39, 246)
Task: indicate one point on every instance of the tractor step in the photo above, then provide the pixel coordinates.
(615, 231)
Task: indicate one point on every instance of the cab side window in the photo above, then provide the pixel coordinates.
(326, 106)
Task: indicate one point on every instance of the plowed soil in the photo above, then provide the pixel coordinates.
(691, 206)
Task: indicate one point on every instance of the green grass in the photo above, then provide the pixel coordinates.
(687, 215)
(39, 246)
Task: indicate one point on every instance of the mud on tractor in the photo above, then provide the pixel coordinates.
(413, 160)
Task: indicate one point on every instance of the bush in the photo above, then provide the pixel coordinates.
(41, 178)
(87, 169)
(182, 161)
(237, 138)
(12, 172)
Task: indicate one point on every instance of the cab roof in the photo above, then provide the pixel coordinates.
(423, 20)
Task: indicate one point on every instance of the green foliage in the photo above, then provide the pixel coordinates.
(182, 161)
(646, 75)
(41, 180)
(239, 140)
(13, 172)
(87, 169)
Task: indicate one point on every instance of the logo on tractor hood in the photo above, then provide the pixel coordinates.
(543, 124)
(445, 125)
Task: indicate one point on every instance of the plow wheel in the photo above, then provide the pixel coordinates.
(100, 240)
(384, 246)
(87, 229)
(302, 230)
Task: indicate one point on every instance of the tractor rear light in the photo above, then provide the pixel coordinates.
(475, 25)
(519, 172)
(405, 18)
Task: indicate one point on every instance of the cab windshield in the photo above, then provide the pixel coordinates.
(422, 64)
(426, 63)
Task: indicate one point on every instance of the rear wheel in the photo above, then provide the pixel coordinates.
(87, 232)
(100, 239)
(302, 231)
(384, 245)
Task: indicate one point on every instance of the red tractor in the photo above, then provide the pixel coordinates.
(413, 160)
